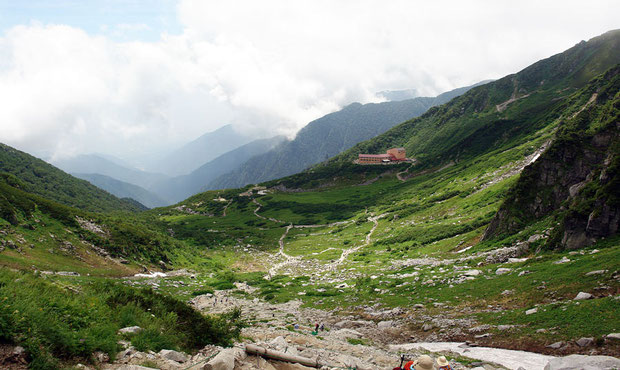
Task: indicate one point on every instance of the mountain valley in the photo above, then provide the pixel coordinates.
(502, 233)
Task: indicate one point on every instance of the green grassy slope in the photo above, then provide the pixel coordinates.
(498, 113)
(123, 189)
(41, 178)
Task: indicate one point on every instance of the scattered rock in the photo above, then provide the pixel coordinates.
(578, 362)
(531, 311)
(508, 292)
(225, 360)
(472, 273)
(584, 342)
(19, 351)
(613, 336)
(101, 356)
(582, 296)
(385, 324)
(502, 271)
(130, 330)
(517, 260)
(563, 260)
(173, 355)
(596, 272)
(556, 345)
(427, 327)
(279, 343)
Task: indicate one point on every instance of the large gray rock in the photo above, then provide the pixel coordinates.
(225, 360)
(173, 355)
(472, 273)
(582, 296)
(556, 345)
(279, 342)
(584, 342)
(385, 324)
(345, 333)
(581, 362)
(613, 336)
(502, 271)
(531, 311)
(130, 330)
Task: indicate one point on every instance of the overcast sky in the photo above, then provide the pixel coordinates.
(132, 78)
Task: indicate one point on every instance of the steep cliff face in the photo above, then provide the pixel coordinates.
(576, 179)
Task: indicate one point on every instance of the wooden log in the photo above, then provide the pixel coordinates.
(282, 356)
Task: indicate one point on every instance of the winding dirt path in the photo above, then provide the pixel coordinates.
(226, 207)
(346, 252)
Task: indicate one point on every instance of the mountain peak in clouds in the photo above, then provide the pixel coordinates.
(398, 95)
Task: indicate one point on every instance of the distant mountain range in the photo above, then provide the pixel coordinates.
(182, 187)
(123, 189)
(200, 151)
(97, 164)
(329, 136)
(153, 189)
(225, 158)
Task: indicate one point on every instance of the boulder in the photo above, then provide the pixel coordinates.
(581, 362)
(225, 360)
(130, 330)
(19, 351)
(472, 273)
(582, 296)
(173, 355)
(101, 356)
(596, 272)
(385, 324)
(345, 333)
(427, 327)
(584, 342)
(556, 345)
(502, 271)
(613, 336)
(531, 311)
(279, 343)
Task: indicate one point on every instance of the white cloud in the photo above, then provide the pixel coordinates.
(270, 66)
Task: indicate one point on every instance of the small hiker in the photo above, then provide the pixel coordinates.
(296, 326)
(322, 327)
(443, 364)
(316, 327)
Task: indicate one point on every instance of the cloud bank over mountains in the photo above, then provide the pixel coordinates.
(268, 66)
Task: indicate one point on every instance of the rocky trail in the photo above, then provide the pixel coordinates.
(346, 343)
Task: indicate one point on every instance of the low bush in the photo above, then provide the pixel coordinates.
(56, 322)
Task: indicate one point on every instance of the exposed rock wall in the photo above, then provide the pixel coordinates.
(576, 178)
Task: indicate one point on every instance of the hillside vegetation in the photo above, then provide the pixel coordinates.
(41, 178)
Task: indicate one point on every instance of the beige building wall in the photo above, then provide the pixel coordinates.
(398, 153)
